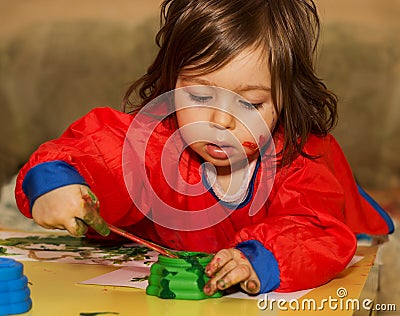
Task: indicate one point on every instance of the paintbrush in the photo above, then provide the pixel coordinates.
(144, 242)
(92, 202)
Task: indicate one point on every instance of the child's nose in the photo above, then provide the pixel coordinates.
(222, 119)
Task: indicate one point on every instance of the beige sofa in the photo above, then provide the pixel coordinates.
(59, 59)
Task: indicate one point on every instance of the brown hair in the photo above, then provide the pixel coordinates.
(205, 35)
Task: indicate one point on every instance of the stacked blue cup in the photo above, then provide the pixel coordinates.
(14, 291)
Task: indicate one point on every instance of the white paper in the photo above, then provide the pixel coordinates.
(124, 276)
(68, 249)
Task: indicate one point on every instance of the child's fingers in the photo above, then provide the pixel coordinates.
(218, 261)
(75, 227)
(225, 269)
(250, 286)
(81, 228)
(230, 267)
(236, 275)
(222, 281)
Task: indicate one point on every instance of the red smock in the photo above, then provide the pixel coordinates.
(308, 222)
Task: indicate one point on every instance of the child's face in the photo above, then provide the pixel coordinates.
(221, 126)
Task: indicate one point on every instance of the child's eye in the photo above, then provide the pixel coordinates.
(251, 105)
(200, 99)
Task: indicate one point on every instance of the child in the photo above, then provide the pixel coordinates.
(281, 222)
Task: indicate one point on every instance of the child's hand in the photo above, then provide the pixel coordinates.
(229, 267)
(66, 208)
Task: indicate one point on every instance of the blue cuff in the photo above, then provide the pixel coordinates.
(263, 262)
(377, 208)
(48, 176)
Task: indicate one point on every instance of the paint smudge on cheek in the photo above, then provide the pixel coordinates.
(250, 145)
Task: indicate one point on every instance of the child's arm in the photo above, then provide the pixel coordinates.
(302, 243)
(87, 155)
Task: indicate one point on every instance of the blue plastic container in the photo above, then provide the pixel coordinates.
(14, 291)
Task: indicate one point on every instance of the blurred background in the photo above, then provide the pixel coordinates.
(60, 58)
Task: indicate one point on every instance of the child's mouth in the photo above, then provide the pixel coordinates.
(219, 151)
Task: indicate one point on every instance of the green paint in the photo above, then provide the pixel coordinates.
(83, 247)
(94, 220)
(166, 292)
(189, 255)
(145, 278)
(3, 252)
(197, 269)
(22, 242)
(165, 272)
(180, 278)
(164, 283)
(92, 216)
(92, 196)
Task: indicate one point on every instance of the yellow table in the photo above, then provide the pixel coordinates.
(55, 291)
